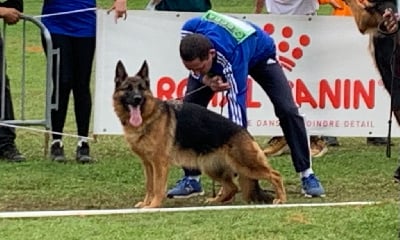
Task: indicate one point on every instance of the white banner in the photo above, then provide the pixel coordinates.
(325, 58)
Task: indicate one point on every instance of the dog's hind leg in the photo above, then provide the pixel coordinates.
(264, 171)
(228, 188)
(226, 194)
(249, 160)
(252, 191)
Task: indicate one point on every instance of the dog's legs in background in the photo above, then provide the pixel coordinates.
(252, 191)
(228, 187)
(266, 172)
(226, 194)
(252, 163)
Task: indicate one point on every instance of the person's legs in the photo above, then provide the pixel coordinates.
(65, 74)
(8, 149)
(272, 79)
(388, 65)
(190, 185)
(83, 53)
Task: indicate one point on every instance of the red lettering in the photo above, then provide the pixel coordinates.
(361, 92)
(249, 97)
(181, 90)
(327, 92)
(216, 100)
(165, 88)
(347, 94)
(303, 95)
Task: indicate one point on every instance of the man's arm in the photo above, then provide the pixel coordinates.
(119, 6)
(17, 4)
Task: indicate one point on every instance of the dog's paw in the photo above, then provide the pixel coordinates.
(278, 201)
(140, 205)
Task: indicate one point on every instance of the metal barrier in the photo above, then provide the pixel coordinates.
(45, 121)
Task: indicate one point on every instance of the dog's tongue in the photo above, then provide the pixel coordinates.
(136, 118)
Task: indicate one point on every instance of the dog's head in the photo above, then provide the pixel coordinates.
(131, 94)
(368, 13)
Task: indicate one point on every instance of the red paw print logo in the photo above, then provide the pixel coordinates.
(287, 53)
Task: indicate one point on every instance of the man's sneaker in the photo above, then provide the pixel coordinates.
(186, 188)
(11, 154)
(276, 147)
(83, 153)
(318, 147)
(311, 187)
(57, 152)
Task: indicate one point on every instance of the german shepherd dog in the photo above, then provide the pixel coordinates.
(164, 133)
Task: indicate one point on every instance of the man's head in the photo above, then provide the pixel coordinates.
(197, 53)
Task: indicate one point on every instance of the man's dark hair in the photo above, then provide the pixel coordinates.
(195, 46)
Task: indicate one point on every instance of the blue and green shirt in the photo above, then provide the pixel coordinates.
(239, 45)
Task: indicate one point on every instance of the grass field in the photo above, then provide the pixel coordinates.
(352, 172)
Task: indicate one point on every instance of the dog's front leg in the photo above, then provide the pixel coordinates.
(160, 176)
(148, 175)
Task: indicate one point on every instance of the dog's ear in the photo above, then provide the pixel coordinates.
(144, 70)
(144, 73)
(120, 73)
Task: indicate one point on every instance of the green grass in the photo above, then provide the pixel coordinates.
(351, 172)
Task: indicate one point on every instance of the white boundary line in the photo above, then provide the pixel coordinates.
(36, 214)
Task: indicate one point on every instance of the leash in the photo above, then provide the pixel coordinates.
(221, 104)
(392, 69)
(65, 13)
(192, 92)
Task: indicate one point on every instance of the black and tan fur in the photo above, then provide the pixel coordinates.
(174, 133)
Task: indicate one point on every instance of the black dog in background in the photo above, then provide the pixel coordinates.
(384, 47)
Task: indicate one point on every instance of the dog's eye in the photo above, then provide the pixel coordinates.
(141, 87)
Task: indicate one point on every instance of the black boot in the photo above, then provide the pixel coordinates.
(396, 175)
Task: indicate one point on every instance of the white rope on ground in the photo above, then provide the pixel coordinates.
(63, 213)
(43, 131)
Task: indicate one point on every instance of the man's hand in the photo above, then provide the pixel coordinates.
(10, 15)
(390, 21)
(216, 83)
(119, 6)
(365, 4)
(335, 4)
